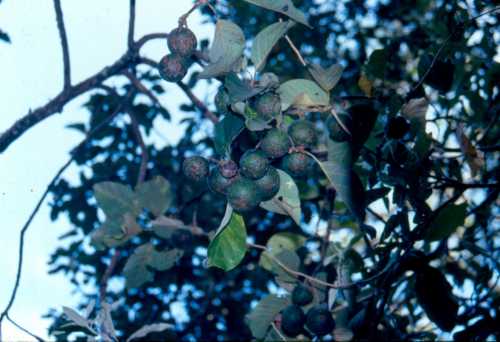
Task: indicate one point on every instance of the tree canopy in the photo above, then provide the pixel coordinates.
(342, 182)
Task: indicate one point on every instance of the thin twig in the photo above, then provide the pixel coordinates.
(17, 325)
(141, 87)
(144, 150)
(197, 102)
(295, 50)
(39, 203)
(131, 24)
(64, 44)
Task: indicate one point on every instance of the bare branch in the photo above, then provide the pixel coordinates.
(17, 325)
(149, 37)
(197, 102)
(144, 150)
(131, 25)
(64, 44)
(141, 87)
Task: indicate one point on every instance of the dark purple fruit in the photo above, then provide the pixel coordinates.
(268, 106)
(292, 320)
(301, 295)
(228, 168)
(303, 133)
(218, 183)
(182, 41)
(222, 102)
(172, 68)
(269, 184)
(275, 144)
(434, 294)
(319, 320)
(397, 127)
(195, 168)
(254, 164)
(297, 164)
(337, 132)
(243, 195)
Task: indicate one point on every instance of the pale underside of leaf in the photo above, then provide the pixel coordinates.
(266, 40)
(287, 200)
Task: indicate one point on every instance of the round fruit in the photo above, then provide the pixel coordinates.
(269, 184)
(275, 144)
(172, 68)
(218, 183)
(182, 238)
(337, 132)
(397, 127)
(243, 195)
(195, 168)
(228, 168)
(182, 41)
(297, 164)
(319, 320)
(292, 320)
(303, 133)
(268, 106)
(254, 164)
(301, 295)
(222, 102)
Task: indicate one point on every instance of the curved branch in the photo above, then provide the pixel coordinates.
(64, 44)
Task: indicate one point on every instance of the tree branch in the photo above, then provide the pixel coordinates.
(64, 44)
(131, 25)
(197, 102)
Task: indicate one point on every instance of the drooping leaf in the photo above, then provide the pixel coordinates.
(473, 156)
(155, 195)
(115, 199)
(415, 111)
(261, 317)
(326, 78)
(278, 243)
(303, 94)
(446, 222)
(287, 200)
(288, 259)
(238, 89)
(148, 329)
(137, 268)
(78, 320)
(226, 51)
(376, 65)
(228, 214)
(164, 226)
(285, 7)
(226, 131)
(227, 249)
(266, 40)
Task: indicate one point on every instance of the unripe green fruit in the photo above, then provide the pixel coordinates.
(243, 195)
(303, 133)
(182, 238)
(182, 41)
(269, 184)
(397, 127)
(301, 295)
(222, 102)
(297, 164)
(275, 144)
(292, 320)
(319, 320)
(195, 168)
(268, 106)
(254, 164)
(337, 132)
(172, 68)
(218, 183)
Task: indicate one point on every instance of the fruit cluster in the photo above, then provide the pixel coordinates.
(318, 320)
(255, 177)
(182, 44)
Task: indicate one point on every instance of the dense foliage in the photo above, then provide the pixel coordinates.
(361, 171)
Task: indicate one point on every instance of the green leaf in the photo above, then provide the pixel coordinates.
(415, 111)
(261, 317)
(226, 51)
(227, 249)
(287, 200)
(148, 329)
(326, 78)
(338, 170)
(115, 232)
(226, 131)
(115, 199)
(302, 94)
(266, 40)
(136, 269)
(285, 7)
(239, 90)
(164, 226)
(289, 259)
(155, 195)
(278, 243)
(376, 65)
(253, 121)
(446, 222)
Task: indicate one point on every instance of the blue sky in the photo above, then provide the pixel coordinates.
(30, 75)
